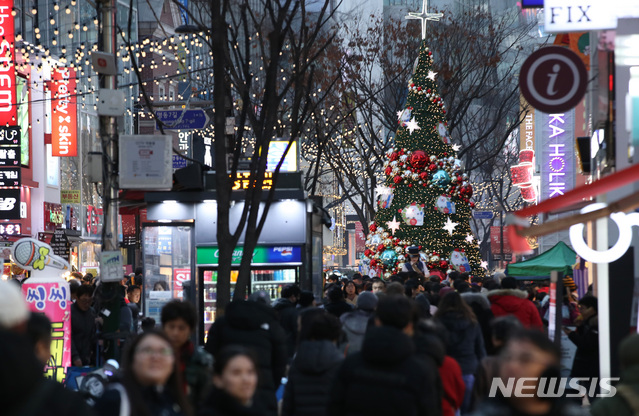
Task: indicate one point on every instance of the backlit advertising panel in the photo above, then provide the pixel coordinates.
(8, 111)
(64, 113)
(557, 154)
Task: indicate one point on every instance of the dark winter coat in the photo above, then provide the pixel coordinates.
(480, 305)
(158, 402)
(586, 338)
(515, 302)
(501, 407)
(197, 369)
(82, 334)
(431, 349)
(219, 403)
(288, 315)
(338, 308)
(354, 325)
(465, 341)
(386, 378)
(617, 405)
(310, 378)
(254, 325)
(23, 389)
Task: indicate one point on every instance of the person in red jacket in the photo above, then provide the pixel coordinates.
(511, 301)
(453, 386)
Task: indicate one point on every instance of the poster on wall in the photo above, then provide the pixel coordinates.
(146, 162)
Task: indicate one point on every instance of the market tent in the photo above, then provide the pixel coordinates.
(560, 258)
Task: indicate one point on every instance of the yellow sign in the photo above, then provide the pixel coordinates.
(243, 181)
(70, 196)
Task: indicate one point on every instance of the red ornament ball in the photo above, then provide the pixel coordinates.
(373, 227)
(419, 159)
(432, 166)
(443, 264)
(397, 179)
(388, 170)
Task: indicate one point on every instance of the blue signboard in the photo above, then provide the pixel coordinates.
(483, 215)
(182, 119)
(179, 162)
(530, 4)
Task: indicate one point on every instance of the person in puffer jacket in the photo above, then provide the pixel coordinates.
(511, 301)
(354, 323)
(314, 366)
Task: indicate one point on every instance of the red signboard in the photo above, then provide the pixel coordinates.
(8, 98)
(179, 277)
(495, 240)
(64, 117)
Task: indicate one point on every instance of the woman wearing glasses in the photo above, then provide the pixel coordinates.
(149, 384)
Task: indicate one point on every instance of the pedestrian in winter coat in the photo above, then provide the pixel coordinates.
(287, 312)
(480, 305)
(511, 301)
(83, 328)
(253, 324)
(195, 364)
(586, 338)
(626, 401)
(235, 383)
(354, 323)
(350, 293)
(150, 383)
(315, 365)
(336, 304)
(386, 378)
(465, 341)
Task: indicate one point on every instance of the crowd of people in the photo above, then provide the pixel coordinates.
(409, 345)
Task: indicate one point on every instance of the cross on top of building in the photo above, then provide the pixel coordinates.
(424, 16)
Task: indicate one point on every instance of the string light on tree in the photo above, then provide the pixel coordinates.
(428, 191)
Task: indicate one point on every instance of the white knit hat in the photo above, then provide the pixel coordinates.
(13, 307)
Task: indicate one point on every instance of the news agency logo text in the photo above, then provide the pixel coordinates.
(548, 387)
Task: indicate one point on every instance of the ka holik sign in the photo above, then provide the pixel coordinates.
(8, 98)
(64, 112)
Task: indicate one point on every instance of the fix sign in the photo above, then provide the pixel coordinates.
(579, 15)
(64, 114)
(8, 98)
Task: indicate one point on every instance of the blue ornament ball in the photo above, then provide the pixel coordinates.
(441, 179)
(389, 257)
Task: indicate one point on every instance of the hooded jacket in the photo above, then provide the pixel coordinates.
(288, 314)
(385, 378)
(515, 302)
(465, 341)
(254, 325)
(480, 305)
(310, 378)
(354, 325)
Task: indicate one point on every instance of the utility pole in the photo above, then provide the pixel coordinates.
(111, 291)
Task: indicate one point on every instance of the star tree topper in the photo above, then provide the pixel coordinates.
(424, 16)
(393, 225)
(450, 226)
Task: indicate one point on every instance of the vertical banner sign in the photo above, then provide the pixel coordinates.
(8, 110)
(527, 127)
(64, 117)
(552, 309)
(557, 154)
(53, 299)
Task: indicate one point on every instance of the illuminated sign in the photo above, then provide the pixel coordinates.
(9, 204)
(64, 117)
(8, 110)
(53, 216)
(94, 220)
(243, 181)
(276, 150)
(10, 177)
(579, 15)
(527, 127)
(70, 196)
(10, 229)
(53, 299)
(557, 154)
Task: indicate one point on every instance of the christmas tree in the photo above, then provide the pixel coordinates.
(426, 198)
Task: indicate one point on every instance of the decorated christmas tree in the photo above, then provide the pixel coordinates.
(426, 198)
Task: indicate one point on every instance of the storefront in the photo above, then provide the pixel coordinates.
(288, 251)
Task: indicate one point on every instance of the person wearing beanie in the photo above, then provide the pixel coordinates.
(626, 401)
(511, 301)
(14, 312)
(354, 323)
